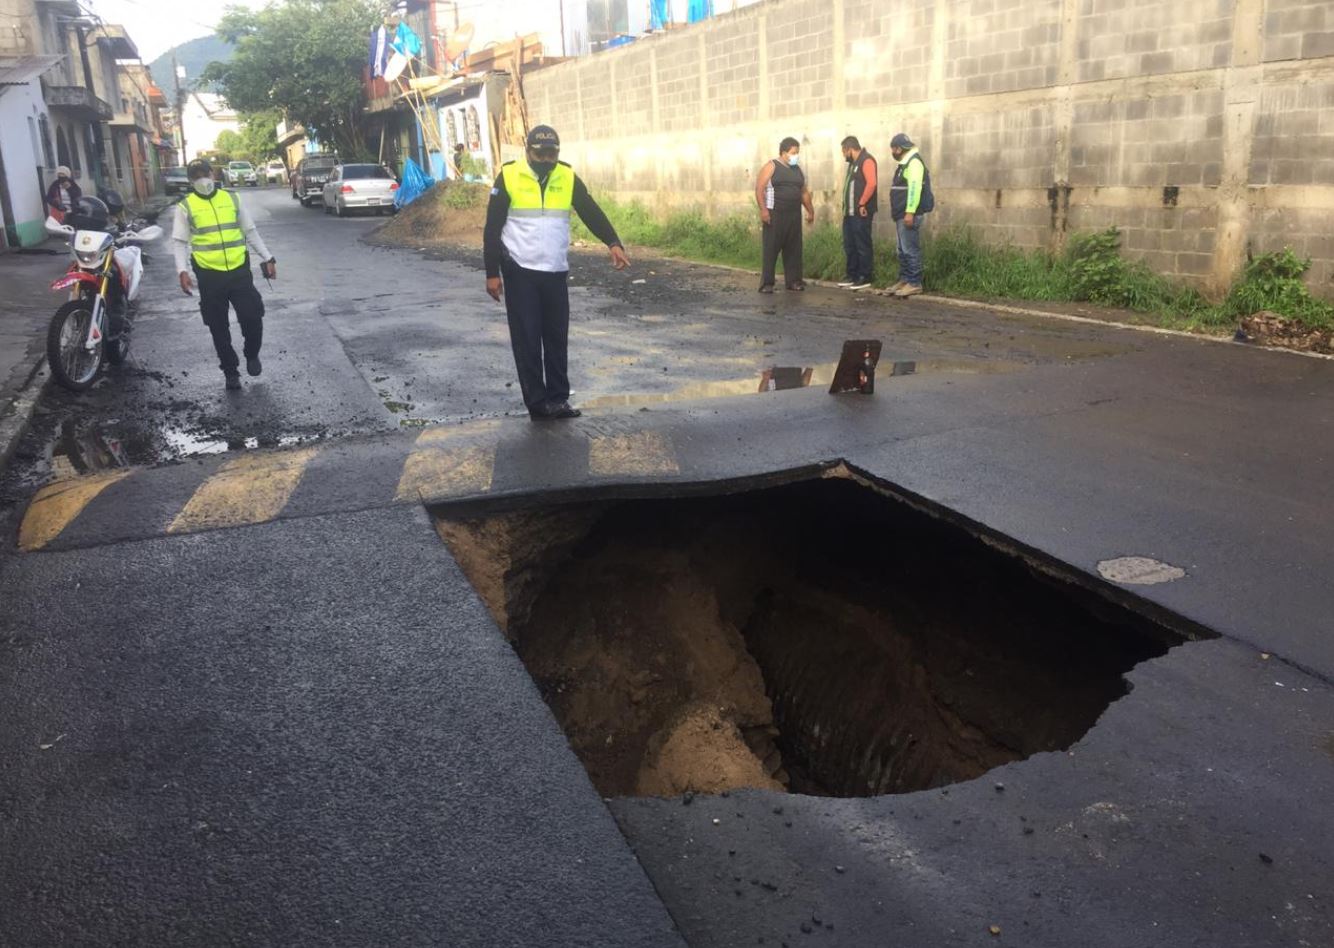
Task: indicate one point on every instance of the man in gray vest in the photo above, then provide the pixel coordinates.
(910, 200)
(859, 206)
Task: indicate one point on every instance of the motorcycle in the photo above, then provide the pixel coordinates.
(103, 283)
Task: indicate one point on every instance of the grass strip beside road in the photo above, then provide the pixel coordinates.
(958, 262)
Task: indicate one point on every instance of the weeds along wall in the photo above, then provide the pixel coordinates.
(1202, 128)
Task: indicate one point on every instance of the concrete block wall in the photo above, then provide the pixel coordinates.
(1122, 38)
(1001, 45)
(1204, 129)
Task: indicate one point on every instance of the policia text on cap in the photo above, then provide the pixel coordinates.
(527, 239)
(210, 232)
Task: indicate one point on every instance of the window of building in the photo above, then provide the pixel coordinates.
(62, 150)
(45, 127)
(32, 137)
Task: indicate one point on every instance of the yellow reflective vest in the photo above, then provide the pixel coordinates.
(537, 228)
(216, 240)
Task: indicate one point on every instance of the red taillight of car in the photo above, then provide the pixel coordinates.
(393, 186)
(346, 189)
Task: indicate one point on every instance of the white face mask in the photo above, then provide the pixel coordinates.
(203, 186)
(793, 160)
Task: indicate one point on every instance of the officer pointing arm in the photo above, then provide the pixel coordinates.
(527, 242)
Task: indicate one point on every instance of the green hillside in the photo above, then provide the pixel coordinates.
(194, 56)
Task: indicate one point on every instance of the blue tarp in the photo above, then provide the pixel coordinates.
(660, 14)
(414, 184)
(407, 42)
(699, 10)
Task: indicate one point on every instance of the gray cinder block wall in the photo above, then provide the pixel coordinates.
(1201, 128)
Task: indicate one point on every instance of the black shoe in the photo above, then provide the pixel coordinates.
(553, 411)
(252, 365)
(233, 381)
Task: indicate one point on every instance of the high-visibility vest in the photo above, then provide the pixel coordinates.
(537, 228)
(216, 240)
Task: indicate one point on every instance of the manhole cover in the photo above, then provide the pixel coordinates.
(1139, 571)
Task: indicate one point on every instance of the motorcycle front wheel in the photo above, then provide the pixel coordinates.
(72, 364)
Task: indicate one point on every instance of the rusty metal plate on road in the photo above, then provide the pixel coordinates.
(856, 368)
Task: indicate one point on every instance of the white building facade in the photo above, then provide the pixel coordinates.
(205, 116)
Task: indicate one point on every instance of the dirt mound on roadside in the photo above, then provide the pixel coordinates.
(1270, 329)
(447, 214)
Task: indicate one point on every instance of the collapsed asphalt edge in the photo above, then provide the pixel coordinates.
(14, 422)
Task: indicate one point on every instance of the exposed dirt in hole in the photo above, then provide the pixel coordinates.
(817, 637)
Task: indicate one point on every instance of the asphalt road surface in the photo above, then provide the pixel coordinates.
(250, 698)
(360, 339)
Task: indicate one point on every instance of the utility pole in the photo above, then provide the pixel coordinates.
(180, 103)
(563, 53)
(96, 159)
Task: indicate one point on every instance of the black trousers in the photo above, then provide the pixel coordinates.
(782, 235)
(538, 306)
(857, 247)
(221, 289)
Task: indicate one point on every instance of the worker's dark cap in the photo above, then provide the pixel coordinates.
(900, 141)
(543, 136)
(198, 169)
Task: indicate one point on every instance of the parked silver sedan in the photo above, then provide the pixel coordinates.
(360, 186)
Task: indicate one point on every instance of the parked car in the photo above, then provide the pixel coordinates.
(238, 173)
(275, 172)
(176, 181)
(360, 186)
(309, 177)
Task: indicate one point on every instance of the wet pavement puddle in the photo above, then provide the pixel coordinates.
(779, 378)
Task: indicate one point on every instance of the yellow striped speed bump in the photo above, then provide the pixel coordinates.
(446, 462)
(251, 489)
(640, 454)
(56, 505)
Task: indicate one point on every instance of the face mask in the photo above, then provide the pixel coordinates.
(542, 168)
(203, 186)
(793, 160)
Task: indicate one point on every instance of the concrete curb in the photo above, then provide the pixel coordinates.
(14, 421)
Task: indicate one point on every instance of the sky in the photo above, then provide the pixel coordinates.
(158, 25)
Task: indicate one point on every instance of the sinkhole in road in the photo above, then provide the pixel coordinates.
(828, 635)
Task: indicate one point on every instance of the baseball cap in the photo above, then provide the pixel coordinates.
(198, 169)
(900, 141)
(543, 136)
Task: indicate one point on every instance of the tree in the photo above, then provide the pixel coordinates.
(260, 135)
(229, 145)
(302, 58)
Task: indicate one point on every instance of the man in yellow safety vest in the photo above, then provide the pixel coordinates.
(527, 240)
(210, 232)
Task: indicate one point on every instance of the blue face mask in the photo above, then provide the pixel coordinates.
(793, 160)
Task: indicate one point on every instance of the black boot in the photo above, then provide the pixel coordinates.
(233, 381)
